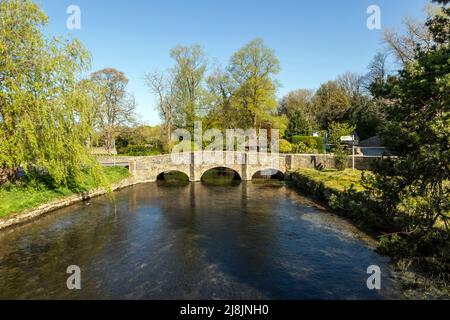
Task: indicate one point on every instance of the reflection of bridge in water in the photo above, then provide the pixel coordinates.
(245, 164)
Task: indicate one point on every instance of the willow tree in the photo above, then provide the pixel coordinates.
(45, 110)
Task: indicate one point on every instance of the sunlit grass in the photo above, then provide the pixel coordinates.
(338, 180)
(17, 199)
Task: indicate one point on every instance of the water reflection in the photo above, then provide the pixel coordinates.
(196, 241)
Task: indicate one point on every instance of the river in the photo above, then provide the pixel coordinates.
(246, 241)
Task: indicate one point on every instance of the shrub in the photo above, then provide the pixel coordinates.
(341, 161)
(338, 130)
(137, 151)
(285, 146)
(297, 125)
(302, 148)
(315, 143)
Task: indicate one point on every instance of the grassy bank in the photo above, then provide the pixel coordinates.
(19, 198)
(344, 194)
(336, 180)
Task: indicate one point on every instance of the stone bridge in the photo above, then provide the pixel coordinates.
(245, 164)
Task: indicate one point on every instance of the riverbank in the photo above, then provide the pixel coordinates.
(343, 193)
(21, 204)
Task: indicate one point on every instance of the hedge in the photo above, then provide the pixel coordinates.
(316, 143)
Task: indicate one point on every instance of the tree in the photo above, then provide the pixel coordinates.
(45, 111)
(221, 88)
(162, 86)
(331, 104)
(298, 100)
(364, 112)
(336, 131)
(378, 77)
(115, 107)
(351, 83)
(140, 136)
(414, 188)
(253, 68)
(297, 126)
(188, 79)
(404, 46)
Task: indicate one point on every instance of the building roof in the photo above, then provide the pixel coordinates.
(373, 142)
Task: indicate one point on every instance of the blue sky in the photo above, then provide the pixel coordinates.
(314, 40)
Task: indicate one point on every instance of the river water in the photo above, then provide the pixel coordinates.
(247, 241)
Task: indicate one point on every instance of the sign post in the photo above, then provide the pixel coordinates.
(353, 153)
(352, 140)
(114, 148)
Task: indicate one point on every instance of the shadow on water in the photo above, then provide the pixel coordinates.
(172, 179)
(221, 177)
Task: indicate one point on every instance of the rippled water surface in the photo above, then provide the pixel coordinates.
(250, 241)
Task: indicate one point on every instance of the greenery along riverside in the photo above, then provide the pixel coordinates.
(52, 116)
(31, 191)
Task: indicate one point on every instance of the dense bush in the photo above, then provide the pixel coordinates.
(341, 161)
(336, 131)
(302, 148)
(314, 143)
(285, 146)
(297, 125)
(137, 151)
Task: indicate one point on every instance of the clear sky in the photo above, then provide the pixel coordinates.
(314, 40)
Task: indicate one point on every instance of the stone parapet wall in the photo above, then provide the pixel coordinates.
(148, 168)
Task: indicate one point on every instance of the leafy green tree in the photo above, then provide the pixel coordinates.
(336, 131)
(297, 126)
(187, 86)
(253, 68)
(46, 113)
(415, 187)
(364, 112)
(221, 88)
(139, 136)
(331, 104)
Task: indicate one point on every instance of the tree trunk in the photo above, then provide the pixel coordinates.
(8, 175)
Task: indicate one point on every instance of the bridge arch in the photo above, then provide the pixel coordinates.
(268, 173)
(232, 172)
(172, 173)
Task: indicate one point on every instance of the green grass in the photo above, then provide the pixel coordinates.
(17, 199)
(338, 180)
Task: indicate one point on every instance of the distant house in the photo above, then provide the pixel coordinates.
(372, 147)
